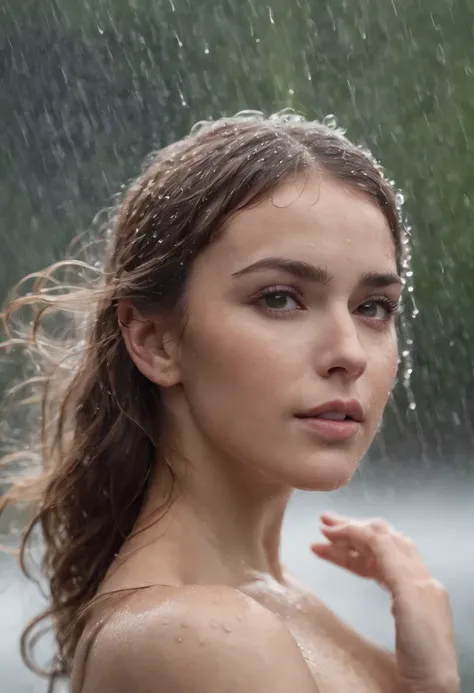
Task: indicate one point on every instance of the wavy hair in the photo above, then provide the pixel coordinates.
(91, 421)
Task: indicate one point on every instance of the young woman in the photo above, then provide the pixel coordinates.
(239, 343)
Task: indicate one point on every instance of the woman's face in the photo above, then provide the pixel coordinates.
(292, 310)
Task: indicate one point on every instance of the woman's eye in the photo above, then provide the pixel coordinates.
(280, 301)
(377, 310)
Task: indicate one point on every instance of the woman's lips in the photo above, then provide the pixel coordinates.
(331, 429)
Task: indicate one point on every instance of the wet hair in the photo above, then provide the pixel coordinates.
(95, 425)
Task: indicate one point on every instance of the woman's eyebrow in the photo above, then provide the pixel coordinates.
(316, 274)
(297, 268)
(376, 280)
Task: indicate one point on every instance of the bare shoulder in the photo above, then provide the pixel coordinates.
(206, 639)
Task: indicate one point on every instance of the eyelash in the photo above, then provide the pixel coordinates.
(392, 307)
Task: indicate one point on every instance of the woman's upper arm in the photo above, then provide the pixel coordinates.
(199, 646)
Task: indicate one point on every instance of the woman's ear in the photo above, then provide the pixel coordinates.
(151, 343)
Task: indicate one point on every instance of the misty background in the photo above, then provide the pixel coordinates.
(89, 87)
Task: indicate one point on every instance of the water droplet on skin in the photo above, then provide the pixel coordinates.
(214, 624)
(165, 622)
(179, 638)
(299, 607)
(227, 628)
(184, 624)
(239, 617)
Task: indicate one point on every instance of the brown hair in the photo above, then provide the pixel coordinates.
(98, 430)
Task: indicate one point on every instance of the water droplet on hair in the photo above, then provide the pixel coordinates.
(399, 199)
(330, 121)
(412, 406)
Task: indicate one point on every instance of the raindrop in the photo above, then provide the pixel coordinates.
(441, 55)
(270, 13)
(412, 406)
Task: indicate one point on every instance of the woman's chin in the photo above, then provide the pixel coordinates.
(335, 474)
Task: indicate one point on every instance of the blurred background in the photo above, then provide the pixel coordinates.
(89, 87)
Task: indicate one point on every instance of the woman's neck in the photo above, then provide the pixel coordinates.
(220, 526)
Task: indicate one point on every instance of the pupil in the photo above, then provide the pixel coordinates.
(276, 300)
(369, 308)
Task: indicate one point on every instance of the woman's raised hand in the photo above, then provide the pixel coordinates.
(425, 646)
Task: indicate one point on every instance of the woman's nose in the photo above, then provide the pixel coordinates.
(340, 349)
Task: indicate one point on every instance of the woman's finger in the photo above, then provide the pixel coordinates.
(343, 557)
(330, 518)
(356, 536)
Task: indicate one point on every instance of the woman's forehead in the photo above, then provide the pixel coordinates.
(322, 218)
